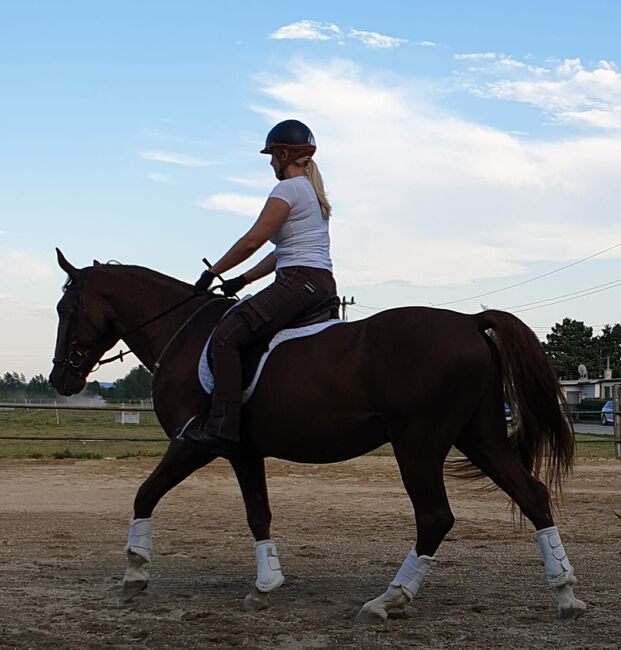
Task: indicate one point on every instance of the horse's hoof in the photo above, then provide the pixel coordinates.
(370, 616)
(398, 613)
(257, 600)
(132, 589)
(575, 610)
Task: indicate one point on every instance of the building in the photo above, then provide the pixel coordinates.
(575, 390)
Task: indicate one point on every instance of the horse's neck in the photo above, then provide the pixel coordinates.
(143, 296)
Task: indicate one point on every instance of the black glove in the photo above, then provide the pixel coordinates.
(231, 287)
(204, 282)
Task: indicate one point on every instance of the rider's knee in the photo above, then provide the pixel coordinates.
(232, 333)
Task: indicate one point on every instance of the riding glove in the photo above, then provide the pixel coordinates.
(231, 287)
(204, 282)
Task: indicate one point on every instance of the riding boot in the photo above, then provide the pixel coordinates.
(217, 432)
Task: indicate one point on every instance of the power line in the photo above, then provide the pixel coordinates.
(363, 313)
(537, 277)
(549, 304)
(373, 308)
(565, 295)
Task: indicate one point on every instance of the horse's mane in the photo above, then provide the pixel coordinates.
(116, 267)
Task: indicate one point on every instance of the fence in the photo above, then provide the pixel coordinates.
(123, 408)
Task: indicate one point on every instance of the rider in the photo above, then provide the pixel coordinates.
(295, 219)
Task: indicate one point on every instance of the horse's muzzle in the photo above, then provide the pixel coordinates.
(66, 382)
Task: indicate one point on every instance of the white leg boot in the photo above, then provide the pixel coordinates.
(269, 571)
(400, 592)
(269, 576)
(560, 573)
(139, 550)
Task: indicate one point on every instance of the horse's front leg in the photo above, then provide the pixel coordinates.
(179, 461)
(250, 474)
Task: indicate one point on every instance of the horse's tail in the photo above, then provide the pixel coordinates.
(544, 436)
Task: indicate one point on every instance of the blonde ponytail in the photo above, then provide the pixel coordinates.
(314, 176)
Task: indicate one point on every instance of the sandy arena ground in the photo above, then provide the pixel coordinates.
(342, 531)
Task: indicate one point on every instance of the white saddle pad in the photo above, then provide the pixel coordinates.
(205, 375)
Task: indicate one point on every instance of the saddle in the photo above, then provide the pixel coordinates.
(326, 310)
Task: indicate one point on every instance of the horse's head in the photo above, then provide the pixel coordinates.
(84, 325)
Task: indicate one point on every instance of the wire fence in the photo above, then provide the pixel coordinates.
(120, 409)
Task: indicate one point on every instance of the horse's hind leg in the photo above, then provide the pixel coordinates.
(422, 474)
(486, 446)
(178, 463)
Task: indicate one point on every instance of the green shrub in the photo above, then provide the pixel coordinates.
(581, 411)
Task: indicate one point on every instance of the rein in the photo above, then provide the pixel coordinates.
(121, 354)
(75, 358)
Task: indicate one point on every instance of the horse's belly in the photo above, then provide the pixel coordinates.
(318, 437)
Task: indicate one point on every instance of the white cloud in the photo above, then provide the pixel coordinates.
(29, 331)
(428, 44)
(309, 30)
(476, 56)
(156, 177)
(175, 158)
(570, 93)
(608, 118)
(253, 181)
(373, 39)
(420, 194)
(21, 266)
(506, 62)
(248, 206)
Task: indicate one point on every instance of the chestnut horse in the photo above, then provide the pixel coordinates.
(399, 367)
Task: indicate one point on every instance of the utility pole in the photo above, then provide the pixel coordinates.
(344, 305)
(616, 419)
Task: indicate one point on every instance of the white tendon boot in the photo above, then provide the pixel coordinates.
(269, 571)
(139, 549)
(400, 592)
(559, 571)
(269, 576)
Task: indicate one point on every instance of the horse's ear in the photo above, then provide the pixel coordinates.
(68, 268)
(96, 263)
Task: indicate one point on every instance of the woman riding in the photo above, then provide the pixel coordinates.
(295, 219)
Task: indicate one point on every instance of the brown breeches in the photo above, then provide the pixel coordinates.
(296, 290)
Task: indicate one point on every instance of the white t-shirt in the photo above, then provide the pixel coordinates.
(304, 239)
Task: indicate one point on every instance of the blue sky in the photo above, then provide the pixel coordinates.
(466, 147)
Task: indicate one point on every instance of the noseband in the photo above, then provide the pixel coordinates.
(74, 358)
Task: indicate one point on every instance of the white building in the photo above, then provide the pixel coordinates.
(575, 390)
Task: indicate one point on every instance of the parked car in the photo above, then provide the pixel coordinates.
(607, 415)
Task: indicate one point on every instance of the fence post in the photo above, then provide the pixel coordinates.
(616, 419)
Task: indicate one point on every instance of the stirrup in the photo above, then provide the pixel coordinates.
(182, 429)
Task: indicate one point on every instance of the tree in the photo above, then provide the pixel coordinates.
(135, 385)
(609, 345)
(93, 388)
(12, 385)
(569, 344)
(40, 387)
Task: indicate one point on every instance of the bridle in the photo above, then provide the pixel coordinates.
(76, 358)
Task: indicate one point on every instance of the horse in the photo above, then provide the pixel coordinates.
(310, 407)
